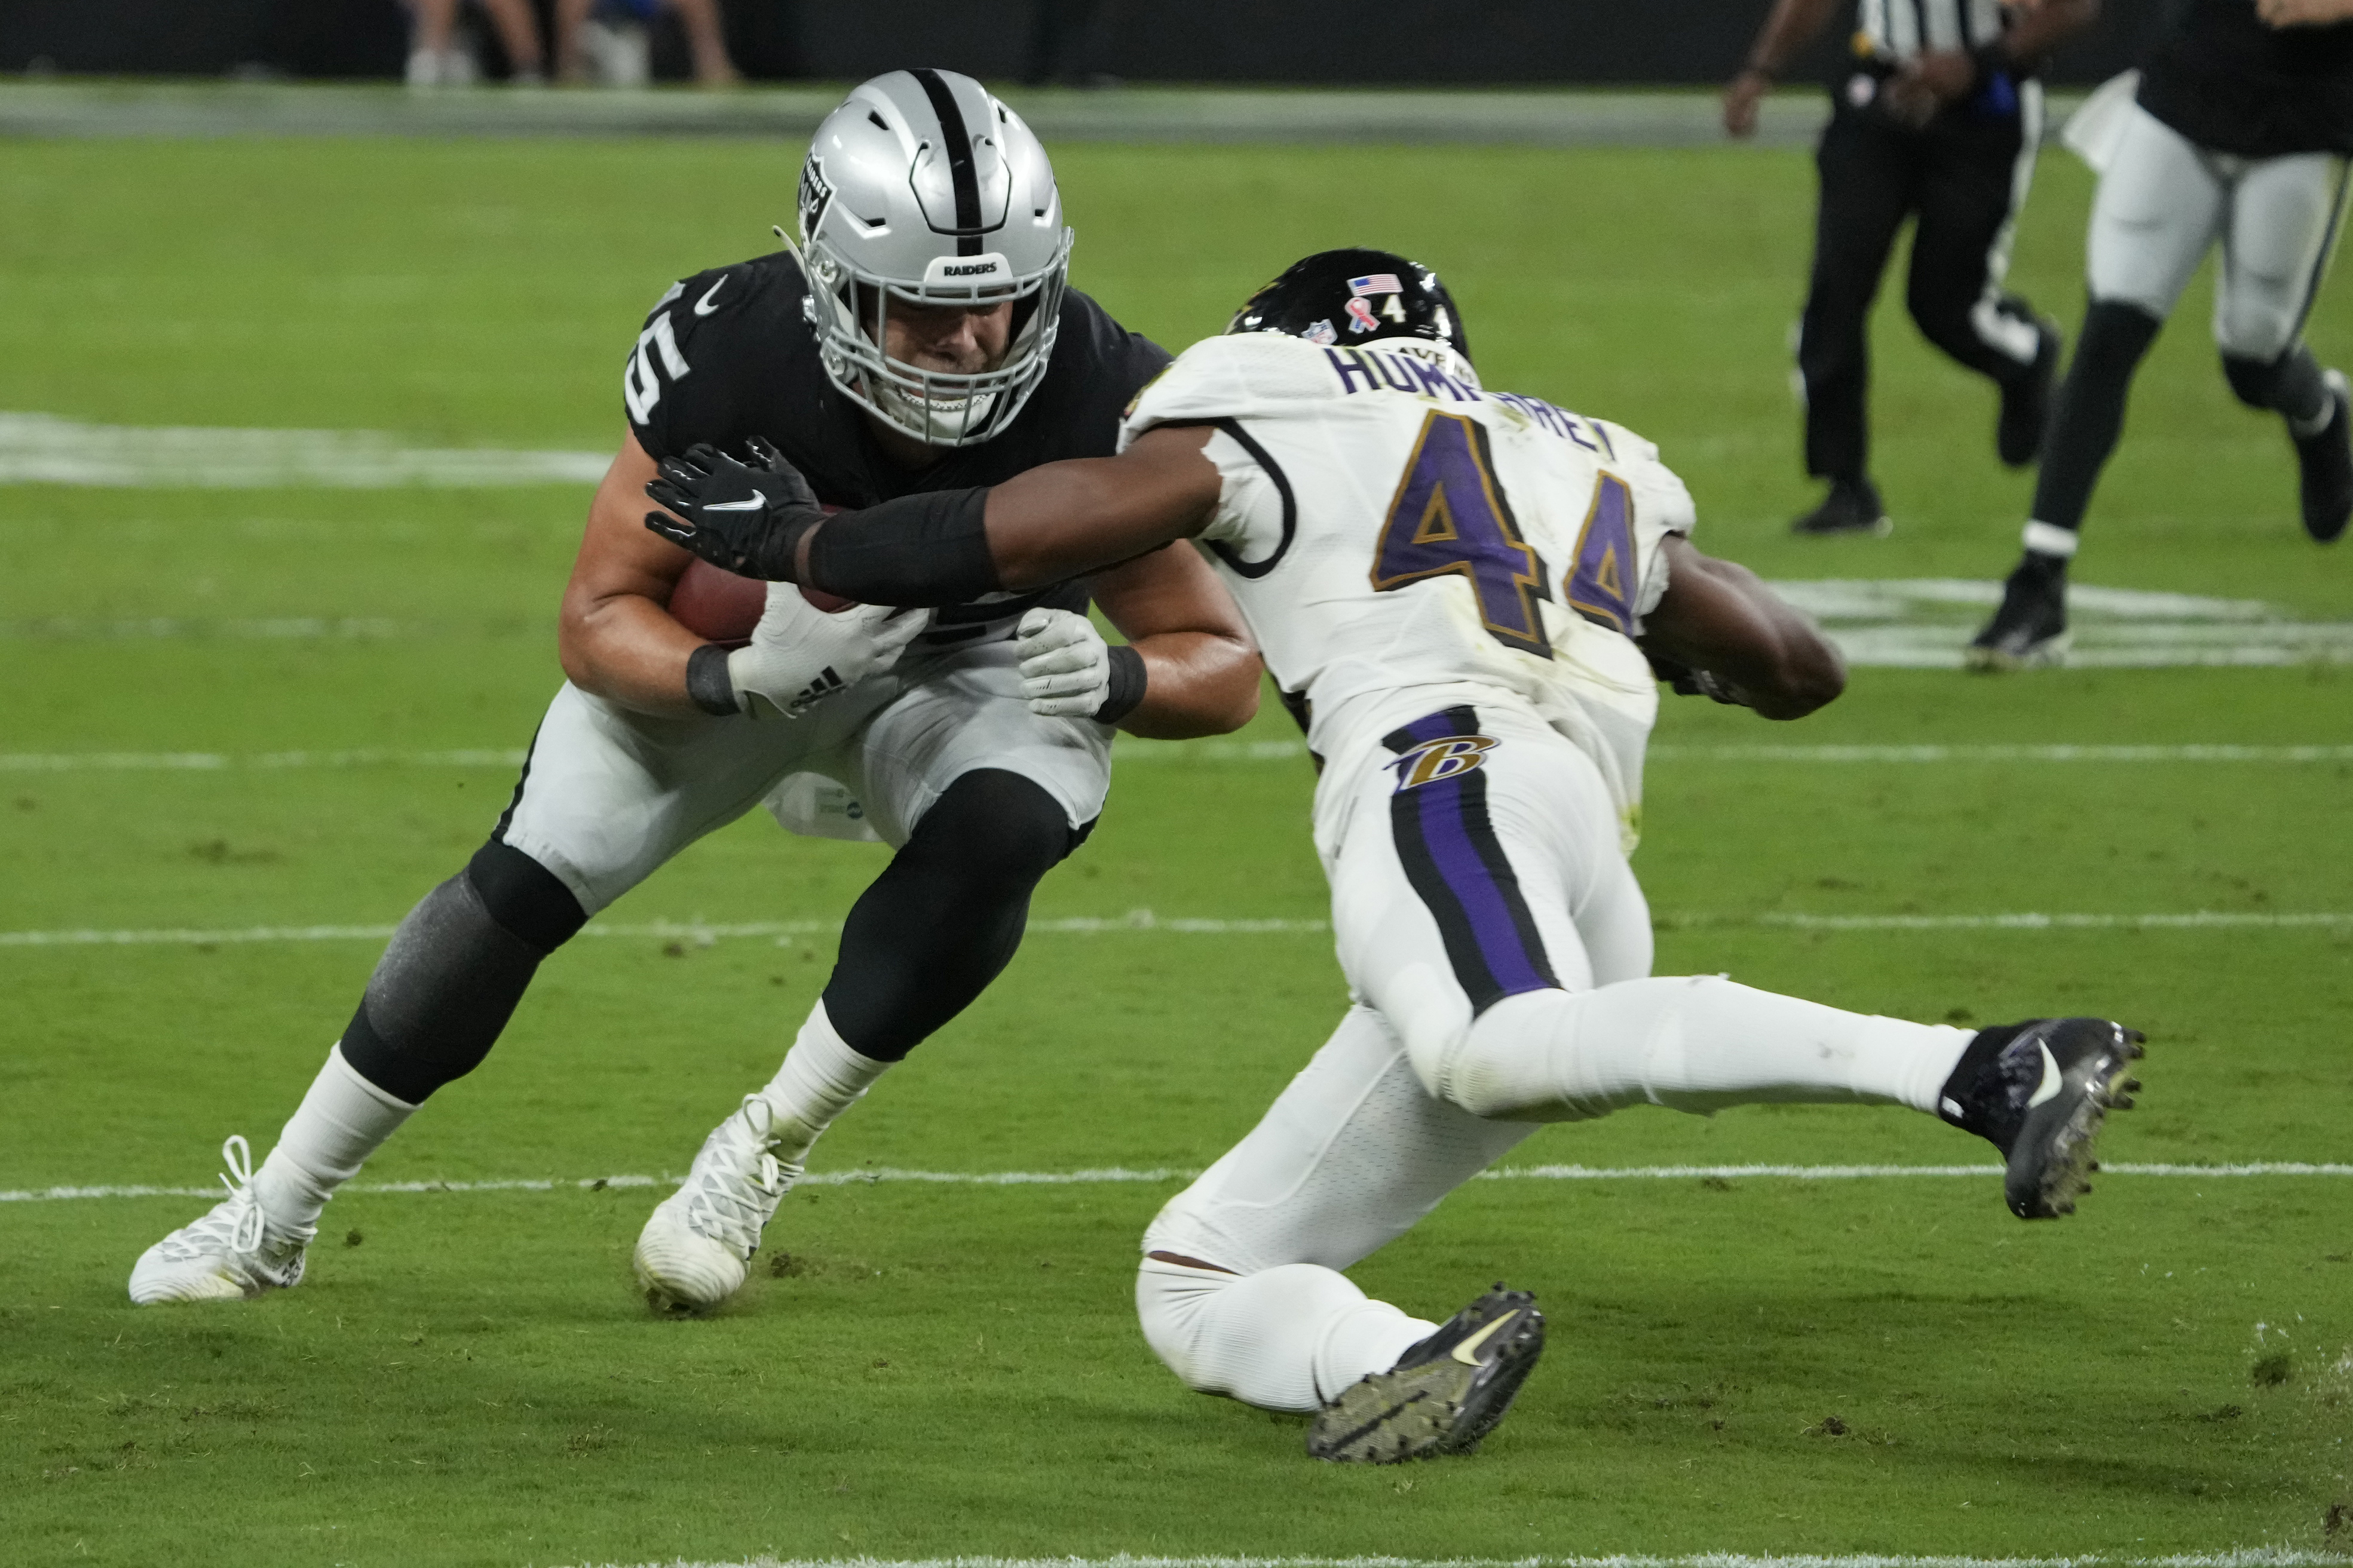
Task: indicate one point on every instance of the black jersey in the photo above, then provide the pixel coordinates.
(726, 355)
(2226, 82)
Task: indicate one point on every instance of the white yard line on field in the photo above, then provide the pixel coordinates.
(699, 933)
(221, 761)
(41, 449)
(2248, 1557)
(783, 932)
(1151, 752)
(1115, 1175)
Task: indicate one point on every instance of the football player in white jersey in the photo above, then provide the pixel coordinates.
(1456, 589)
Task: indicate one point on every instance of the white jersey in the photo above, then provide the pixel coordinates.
(1400, 540)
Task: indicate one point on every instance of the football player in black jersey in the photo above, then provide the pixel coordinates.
(2239, 130)
(921, 339)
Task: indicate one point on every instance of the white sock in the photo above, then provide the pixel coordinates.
(341, 1122)
(1694, 1043)
(2306, 427)
(821, 1077)
(2049, 539)
(1283, 1339)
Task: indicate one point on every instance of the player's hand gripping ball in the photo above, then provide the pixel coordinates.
(798, 657)
(739, 518)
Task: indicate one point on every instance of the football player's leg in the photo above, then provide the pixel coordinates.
(1239, 1290)
(1866, 178)
(1502, 1028)
(1972, 190)
(984, 798)
(606, 796)
(2283, 223)
(2159, 204)
(1462, 904)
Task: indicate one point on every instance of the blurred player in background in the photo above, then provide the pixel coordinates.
(1455, 589)
(925, 341)
(2238, 132)
(1935, 118)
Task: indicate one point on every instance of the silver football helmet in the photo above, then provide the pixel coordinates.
(923, 188)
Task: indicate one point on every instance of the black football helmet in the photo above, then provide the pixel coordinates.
(1344, 297)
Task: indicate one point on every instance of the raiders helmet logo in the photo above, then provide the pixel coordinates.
(816, 195)
(1444, 759)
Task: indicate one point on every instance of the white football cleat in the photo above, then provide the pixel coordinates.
(692, 1253)
(229, 1255)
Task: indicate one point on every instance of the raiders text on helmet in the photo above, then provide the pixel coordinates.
(1346, 297)
(924, 189)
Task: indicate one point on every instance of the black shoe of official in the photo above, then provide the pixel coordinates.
(2026, 402)
(1852, 507)
(2029, 631)
(1443, 1394)
(2039, 1091)
(2325, 459)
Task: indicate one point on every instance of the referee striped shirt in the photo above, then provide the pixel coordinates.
(1899, 29)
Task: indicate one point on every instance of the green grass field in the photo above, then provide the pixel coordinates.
(1744, 1364)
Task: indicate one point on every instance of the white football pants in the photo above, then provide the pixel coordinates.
(1498, 947)
(2164, 200)
(608, 796)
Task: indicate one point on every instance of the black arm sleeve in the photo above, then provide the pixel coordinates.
(926, 549)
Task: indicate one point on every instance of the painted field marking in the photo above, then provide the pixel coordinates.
(1128, 750)
(41, 449)
(221, 761)
(1115, 1175)
(784, 932)
(2247, 1557)
(1134, 751)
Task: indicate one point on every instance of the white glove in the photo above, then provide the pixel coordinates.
(1065, 664)
(800, 654)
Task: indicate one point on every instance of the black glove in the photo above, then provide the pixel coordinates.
(1685, 681)
(741, 519)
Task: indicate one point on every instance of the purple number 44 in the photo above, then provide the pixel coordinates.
(1449, 516)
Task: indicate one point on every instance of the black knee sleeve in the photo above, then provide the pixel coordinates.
(2290, 384)
(946, 916)
(454, 971)
(2090, 414)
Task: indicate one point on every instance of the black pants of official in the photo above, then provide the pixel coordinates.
(1957, 177)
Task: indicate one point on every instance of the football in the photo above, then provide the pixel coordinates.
(719, 607)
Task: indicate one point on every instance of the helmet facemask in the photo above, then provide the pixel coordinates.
(851, 308)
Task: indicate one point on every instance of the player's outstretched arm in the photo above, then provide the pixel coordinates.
(615, 636)
(1717, 617)
(939, 547)
(1200, 667)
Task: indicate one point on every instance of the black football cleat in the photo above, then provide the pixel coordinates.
(1443, 1394)
(1852, 507)
(2323, 460)
(2029, 631)
(2039, 1091)
(2026, 402)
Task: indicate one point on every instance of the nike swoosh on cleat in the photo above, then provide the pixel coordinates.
(759, 500)
(703, 306)
(1466, 1352)
(2051, 1080)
